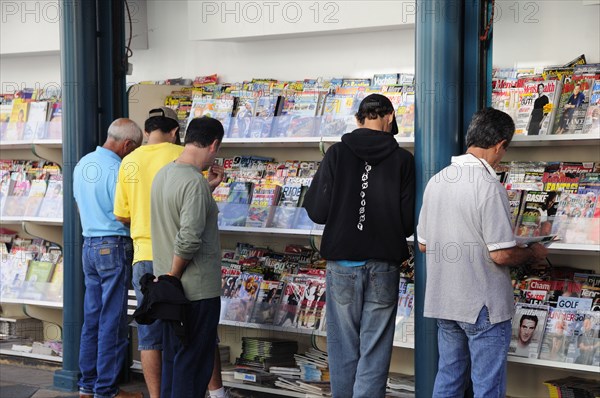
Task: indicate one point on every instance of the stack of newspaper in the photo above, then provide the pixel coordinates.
(400, 385)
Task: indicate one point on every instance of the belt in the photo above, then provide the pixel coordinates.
(95, 239)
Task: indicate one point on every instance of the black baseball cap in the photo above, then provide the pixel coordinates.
(375, 101)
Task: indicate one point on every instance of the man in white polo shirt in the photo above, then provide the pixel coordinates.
(465, 230)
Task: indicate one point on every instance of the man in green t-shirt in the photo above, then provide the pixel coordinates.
(186, 245)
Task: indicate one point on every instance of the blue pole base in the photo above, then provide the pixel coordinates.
(66, 380)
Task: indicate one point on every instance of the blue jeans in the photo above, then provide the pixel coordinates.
(150, 337)
(361, 312)
(474, 352)
(186, 370)
(103, 349)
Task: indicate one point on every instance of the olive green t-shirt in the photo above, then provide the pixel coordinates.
(184, 222)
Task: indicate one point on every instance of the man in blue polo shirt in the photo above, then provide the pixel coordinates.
(106, 258)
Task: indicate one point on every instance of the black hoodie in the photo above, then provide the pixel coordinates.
(364, 193)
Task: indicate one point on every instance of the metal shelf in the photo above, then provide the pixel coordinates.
(409, 142)
(39, 303)
(273, 328)
(272, 231)
(555, 140)
(50, 143)
(554, 364)
(58, 222)
(295, 142)
(573, 248)
(11, 145)
(50, 358)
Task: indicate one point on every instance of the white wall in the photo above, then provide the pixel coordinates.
(32, 71)
(244, 19)
(29, 26)
(541, 33)
(357, 54)
(526, 33)
(29, 44)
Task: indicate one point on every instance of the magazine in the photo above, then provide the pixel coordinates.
(560, 330)
(267, 302)
(529, 324)
(289, 305)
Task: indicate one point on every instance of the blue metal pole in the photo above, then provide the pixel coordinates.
(439, 37)
(80, 136)
(488, 48)
(474, 73)
(112, 63)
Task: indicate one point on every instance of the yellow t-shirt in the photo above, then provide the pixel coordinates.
(132, 197)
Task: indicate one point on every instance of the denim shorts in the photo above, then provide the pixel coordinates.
(149, 336)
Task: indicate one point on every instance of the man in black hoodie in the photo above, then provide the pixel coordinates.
(364, 193)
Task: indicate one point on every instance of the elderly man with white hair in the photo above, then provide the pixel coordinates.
(106, 257)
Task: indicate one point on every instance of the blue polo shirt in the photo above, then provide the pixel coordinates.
(94, 183)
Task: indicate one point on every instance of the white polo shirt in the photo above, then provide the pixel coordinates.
(465, 215)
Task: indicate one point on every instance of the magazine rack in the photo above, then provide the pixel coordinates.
(522, 19)
(304, 145)
(39, 300)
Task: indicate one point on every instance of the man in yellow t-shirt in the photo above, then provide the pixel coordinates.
(132, 206)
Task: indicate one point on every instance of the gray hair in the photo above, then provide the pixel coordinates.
(489, 127)
(125, 129)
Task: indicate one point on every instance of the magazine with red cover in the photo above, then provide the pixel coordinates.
(312, 305)
(263, 205)
(290, 302)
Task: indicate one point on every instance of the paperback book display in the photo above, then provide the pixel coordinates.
(555, 100)
(30, 190)
(33, 115)
(559, 100)
(260, 192)
(557, 315)
(29, 269)
(267, 287)
(288, 289)
(554, 199)
(269, 108)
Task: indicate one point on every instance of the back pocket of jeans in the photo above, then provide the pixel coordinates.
(107, 256)
(340, 287)
(385, 285)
